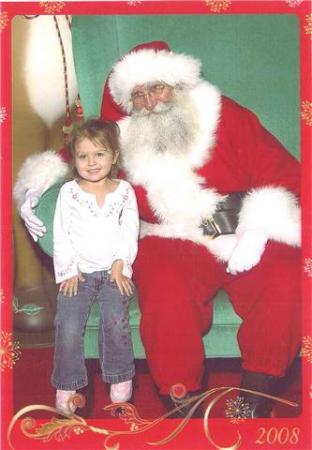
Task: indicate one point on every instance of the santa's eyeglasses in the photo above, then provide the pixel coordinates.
(154, 89)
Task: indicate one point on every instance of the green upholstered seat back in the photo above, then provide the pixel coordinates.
(45, 212)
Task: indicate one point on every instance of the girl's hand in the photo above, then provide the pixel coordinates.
(70, 287)
(124, 284)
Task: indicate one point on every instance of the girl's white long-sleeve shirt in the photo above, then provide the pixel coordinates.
(89, 238)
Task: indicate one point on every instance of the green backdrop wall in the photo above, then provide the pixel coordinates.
(252, 58)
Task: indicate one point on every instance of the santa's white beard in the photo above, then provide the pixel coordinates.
(170, 128)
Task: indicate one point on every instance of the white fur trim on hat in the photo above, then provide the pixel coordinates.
(149, 66)
(39, 172)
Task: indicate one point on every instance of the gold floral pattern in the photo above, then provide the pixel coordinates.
(307, 348)
(306, 113)
(4, 20)
(61, 429)
(218, 5)
(9, 351)
(52, 7)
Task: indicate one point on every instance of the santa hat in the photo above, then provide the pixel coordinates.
(148, 63)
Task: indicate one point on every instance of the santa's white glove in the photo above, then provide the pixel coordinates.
(248, 251)
(33, 224)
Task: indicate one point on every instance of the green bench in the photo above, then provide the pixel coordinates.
(220, 342)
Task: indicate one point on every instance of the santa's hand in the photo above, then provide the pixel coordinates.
(248, 251)
(33, 224)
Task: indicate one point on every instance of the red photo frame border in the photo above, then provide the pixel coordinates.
(253, 433)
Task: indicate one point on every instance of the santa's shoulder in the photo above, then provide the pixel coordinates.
(235, 110)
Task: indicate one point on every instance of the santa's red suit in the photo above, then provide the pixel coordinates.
(179, 270)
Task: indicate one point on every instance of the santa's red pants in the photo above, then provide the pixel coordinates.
(176, 281)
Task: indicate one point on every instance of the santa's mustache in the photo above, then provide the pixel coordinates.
(161, 107)
(169, 127)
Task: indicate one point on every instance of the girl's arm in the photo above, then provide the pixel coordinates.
(129, 224)
(64, 256)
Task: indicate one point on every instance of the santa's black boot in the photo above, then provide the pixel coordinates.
(260, 407)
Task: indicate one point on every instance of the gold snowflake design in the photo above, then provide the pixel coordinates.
(306, 113)
(1, 296)
(237, 410)
(307, 348)
(3, 114)
(308, 262)
(218, 5)
(308, 26)
(4, 20)
(294, 3)
(52, 7)
(9, 351)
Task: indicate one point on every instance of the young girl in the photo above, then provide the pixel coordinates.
(95, 242)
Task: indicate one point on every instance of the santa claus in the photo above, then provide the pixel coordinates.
(218, 200)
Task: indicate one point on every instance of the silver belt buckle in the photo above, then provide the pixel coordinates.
(216, 229)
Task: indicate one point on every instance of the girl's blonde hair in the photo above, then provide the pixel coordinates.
(99, 132)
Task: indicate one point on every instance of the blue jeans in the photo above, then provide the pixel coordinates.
(115, 344)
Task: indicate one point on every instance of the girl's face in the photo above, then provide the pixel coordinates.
(93, 160)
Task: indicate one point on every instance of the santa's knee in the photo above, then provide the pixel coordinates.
(282, 273)
(165, 285)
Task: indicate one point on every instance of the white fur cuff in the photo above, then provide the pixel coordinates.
(273, 210)
(39, 172)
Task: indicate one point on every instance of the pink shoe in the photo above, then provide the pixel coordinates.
(121, 392)
(63, 402)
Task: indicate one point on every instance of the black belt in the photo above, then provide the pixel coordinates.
(225, 219)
